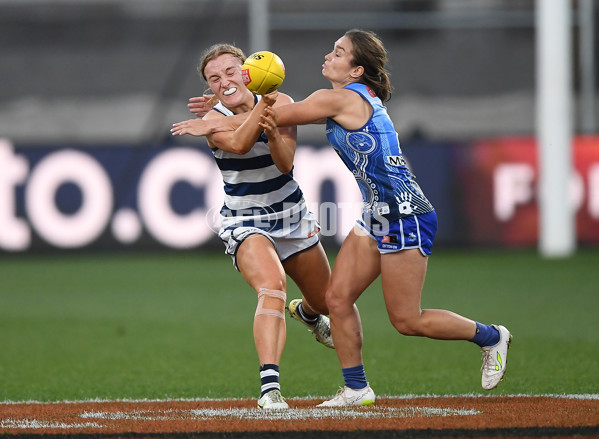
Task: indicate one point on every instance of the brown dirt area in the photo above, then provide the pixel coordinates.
(489, 416)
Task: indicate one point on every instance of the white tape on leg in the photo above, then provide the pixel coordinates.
(263, 310)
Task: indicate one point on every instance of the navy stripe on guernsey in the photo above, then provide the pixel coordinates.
(270, 225)
(262, 187)
(293, 199)
(233, 164)
(257, 194)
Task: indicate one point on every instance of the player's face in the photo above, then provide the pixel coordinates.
(337, 66)
(224, 78)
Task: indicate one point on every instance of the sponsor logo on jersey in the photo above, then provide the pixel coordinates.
(396, 160)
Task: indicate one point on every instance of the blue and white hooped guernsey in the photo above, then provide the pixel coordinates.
(257, 194)
(373, 155)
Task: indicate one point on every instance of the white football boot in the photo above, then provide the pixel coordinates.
(272, 400)
(321, 329)
(495, 359)
(347, 397)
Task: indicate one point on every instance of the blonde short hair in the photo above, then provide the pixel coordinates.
(217, 50)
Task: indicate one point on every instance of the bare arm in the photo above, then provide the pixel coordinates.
(281, 141)
(201, 106)
(208, 125)
(344, 106)
(243, 138)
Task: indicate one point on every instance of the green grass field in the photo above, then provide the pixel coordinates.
(179, 325)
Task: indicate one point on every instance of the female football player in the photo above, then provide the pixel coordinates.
(266, 226)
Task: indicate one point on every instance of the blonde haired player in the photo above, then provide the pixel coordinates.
(266, 226)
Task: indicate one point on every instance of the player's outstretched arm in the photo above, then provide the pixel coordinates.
(206, 127)
(313, 110)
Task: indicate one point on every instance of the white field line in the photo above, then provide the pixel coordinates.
(233, 413)
(289, 414)
(11, 423)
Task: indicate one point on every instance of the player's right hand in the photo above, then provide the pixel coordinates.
(201, 105)
(270, 98)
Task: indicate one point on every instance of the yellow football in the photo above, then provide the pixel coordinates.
(263, 72)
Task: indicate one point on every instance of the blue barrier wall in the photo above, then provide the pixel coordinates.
(70, 197)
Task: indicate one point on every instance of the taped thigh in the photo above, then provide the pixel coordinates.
(266, 309)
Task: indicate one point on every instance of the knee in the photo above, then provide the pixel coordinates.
(406, 326)
(337, 304)
(271, 303)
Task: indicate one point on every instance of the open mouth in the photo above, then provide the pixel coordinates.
(230, 91)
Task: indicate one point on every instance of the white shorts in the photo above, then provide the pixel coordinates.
(301, 238)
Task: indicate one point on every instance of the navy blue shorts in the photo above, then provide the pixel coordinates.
(416, 231)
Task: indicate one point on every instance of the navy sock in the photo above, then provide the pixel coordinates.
(308, 318)
(485, 335)
(269, 377)
(355, 377)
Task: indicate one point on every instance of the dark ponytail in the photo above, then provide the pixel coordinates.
(369, 52)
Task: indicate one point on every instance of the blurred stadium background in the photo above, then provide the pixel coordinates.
(90, 89)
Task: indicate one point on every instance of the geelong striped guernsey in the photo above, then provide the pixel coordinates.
(257, 194)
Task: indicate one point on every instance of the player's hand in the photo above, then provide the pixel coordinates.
(268, 122)
(194, 127)
(201, 105)
(270, 98)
